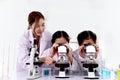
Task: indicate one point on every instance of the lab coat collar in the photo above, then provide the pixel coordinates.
(42, 40)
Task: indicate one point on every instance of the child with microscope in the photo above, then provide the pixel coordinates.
(59, 38)
(84, 38)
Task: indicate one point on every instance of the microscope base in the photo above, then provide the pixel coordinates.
(62, 67)
(87, 77)
(91, 75)
(62, 75)
(33, 77)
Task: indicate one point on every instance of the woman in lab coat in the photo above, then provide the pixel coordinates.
(85, 37)
(36, 29)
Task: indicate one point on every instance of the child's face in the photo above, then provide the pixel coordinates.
(61, 40)
(81, 48)
(86, 41)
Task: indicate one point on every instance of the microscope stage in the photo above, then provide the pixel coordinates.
(63, 64)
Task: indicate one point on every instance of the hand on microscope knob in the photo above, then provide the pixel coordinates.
(69, 49)
(69, 52)
(81, 51)
(97, 49)
(53, 49)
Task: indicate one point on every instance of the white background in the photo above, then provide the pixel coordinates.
(73, 16)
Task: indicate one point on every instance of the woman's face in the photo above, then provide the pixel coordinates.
(60, 40)
(39, 28)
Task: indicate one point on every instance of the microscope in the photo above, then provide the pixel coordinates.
(62, 62)
(90, 62)
(33, 71)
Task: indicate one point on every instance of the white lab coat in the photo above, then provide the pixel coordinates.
(77, 66)
(25, 43)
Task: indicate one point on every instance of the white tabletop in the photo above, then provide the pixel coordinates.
(71, 77)
(22, 76)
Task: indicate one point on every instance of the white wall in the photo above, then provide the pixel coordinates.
(73, 16)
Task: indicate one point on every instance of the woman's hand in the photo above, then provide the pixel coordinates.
(49, 60)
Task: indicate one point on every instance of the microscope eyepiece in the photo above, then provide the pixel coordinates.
(86, 45)
(88, 48)
(62, 48)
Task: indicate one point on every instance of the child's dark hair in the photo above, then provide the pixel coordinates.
(86, 35)
(59, 34)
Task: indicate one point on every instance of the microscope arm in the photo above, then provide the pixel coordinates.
(31, 68)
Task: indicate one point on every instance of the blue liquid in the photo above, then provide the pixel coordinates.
(46, 72)
(105, 74)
